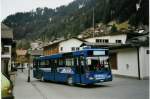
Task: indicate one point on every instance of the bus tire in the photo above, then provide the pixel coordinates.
(70, 81)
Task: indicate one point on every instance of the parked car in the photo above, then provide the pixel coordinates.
(6, 88)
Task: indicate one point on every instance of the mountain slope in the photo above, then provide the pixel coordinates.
(71, 20)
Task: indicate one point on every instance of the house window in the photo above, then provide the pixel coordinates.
(100, 40)
(61, 48)
(69, 62)
(73, 48)
(118, 41)
(147, 51)
(77, 48)
(106, 41)
(97, 40)
(5, 50)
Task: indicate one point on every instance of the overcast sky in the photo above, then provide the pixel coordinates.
(12, 6)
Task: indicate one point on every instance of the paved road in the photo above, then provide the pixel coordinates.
(119, 88)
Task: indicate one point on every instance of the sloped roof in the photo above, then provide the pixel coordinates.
(100, 44)
(6, 32)
(74, 38)
(53, 43)
(37, 52)
(62, 40)
(142, 40)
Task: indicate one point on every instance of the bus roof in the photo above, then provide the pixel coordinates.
(84, 51)
(50, 57)
(76, 53)
(98, 49)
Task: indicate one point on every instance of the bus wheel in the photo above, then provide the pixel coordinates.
(70, 81)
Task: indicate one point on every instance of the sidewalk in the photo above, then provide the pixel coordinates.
(24, 89)
(13, 77)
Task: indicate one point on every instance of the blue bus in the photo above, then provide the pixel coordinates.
(84, 67)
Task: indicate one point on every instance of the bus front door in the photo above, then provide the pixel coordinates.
(79, 71)
(53, 70)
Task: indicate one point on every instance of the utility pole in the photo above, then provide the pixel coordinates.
(22, 67)
(28, 72)
(29, 67)
(93, 23)
(138, 59)
(138, 5)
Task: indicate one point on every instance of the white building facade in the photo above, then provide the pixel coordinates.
(132, 62)
(6, 49)
(128, 61)
(144, 62)
(6, 58)
(70, 45)
(120, 38)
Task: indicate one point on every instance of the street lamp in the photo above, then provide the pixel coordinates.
(28, 64)
(28, 72)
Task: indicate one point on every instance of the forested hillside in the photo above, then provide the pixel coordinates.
(71, 20)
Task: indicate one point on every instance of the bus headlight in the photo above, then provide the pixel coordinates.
(91, 78)
(9, 91)
(109, 76)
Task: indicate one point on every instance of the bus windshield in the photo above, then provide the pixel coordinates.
(97, 63)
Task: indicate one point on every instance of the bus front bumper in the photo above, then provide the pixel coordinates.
(92, 80)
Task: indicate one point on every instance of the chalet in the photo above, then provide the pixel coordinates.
(62, 46)
(51, 48)
(37, 45)
(7, 43)
(21, 56)
(36, 50)
(69, 45)
(112, 38)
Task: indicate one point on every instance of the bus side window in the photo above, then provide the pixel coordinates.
(61, 63)
(52, 63)
(69, 62)
(38, 64)
(49, 63)
(35, 64)
(46, 63)
(55, 63)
